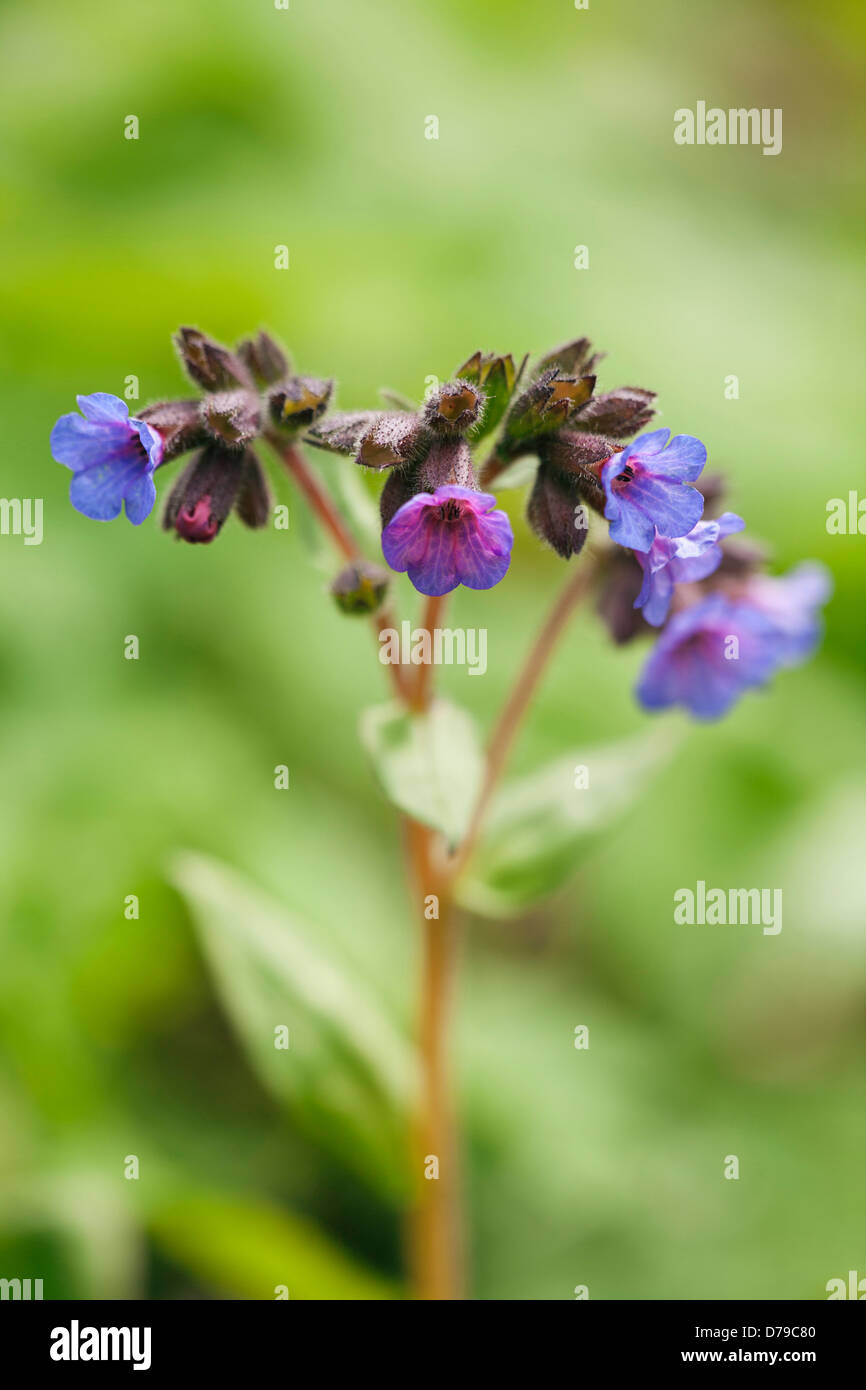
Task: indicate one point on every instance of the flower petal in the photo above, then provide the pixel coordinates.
(674, 508)
(99, 492)
(140, 497)
(682, 460)
(103, 408)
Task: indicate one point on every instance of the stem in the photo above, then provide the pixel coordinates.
(515, 707)
(320, 500)
(434, 1227)
(423, 692)
(435, 1245)
(323, 508)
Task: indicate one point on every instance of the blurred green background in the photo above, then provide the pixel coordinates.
(135, 1037)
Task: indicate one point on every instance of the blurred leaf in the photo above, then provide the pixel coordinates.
(248, 1249)
(356, 505)
(518, 473)
(92, 1219)
(347, 1071)
(430, 765)
(538, 824)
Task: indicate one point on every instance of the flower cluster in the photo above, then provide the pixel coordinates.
(723, 625)
(249, 392)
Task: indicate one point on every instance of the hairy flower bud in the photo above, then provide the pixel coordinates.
(497, 377)
(617, 414)
(297, 403)
(360, 588)
(547, 404)
(620, 583)
(556, 511)
(208, 363)
(454, 408)
(377, 439)
(232, 417)
(253, 504)
(574, 359)
(580, 456)
(205, 493)
(264, 359)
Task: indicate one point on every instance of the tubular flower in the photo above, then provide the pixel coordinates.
(448, 537)
(647, 490)
(112, 457)
(681, 560)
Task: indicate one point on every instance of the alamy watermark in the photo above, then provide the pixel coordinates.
(444, 646)
(22, 516)
(720, 907)
(736, 126)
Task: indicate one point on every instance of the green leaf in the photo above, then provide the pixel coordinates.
(539, 824)
(430, 765)
(517, 474)
(347, 1072)
(249, 1249)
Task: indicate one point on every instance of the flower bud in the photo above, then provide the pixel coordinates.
(342, 432)
(546, 405)
(253, 504)
(574, 359)
(617, 414)
(360, 588)
(231, 417)
(454, 408)
(390, 440)
(497, 376)
(264, 359)
(580, 456)
(297, 403)
(620, 583)
(205, 493)
(556, 511)
(208, 363)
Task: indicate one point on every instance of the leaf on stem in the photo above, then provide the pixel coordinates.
(539, 824)
(430, 765)
(347, 1071)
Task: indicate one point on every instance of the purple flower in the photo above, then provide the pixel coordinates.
(448, 537)
(708, 655)
(681, 560)
(791, 602)
(646, 488)
(111, 456)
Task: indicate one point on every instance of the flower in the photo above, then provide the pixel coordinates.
(448, 537)
(112, 457)
(681, 560)
(708, 655)
(646, 488)
(791, 602)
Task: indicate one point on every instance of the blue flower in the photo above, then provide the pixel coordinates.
(681, 560)
(111, 456)
(646, 488)
(791, 602)
(708, 655)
